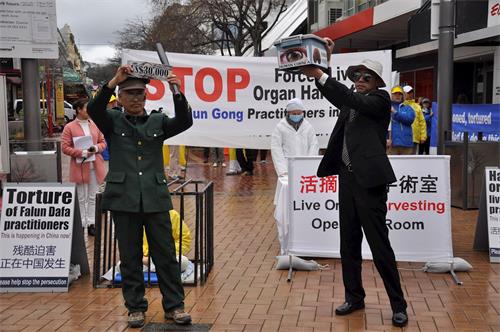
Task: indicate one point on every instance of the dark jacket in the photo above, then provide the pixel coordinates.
(366, 135)
(136, 160)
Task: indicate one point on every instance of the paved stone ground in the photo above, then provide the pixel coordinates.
(245, 293)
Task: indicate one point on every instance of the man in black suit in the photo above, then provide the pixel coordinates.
(356, 151)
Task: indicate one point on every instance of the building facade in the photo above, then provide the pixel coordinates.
(404, 26)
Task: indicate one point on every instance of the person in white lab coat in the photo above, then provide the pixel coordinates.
(293, 136)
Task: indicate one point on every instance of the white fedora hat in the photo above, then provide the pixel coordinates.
(372, 65)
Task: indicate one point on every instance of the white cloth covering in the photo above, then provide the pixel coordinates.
(288, 142)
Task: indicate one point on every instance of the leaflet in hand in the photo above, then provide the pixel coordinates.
(83, 143)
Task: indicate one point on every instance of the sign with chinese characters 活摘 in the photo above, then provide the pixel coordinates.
(418, 210)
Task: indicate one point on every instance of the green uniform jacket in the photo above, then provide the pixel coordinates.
(135, 148)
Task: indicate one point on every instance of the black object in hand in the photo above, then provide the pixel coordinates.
(91, 149)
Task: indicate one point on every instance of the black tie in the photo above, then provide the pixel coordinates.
(345, 153)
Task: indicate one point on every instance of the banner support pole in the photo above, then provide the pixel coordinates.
(290, 269)
(454, 276)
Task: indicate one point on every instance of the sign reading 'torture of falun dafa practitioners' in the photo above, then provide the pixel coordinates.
(35, 237)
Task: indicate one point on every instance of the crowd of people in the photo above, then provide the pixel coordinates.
(411, 121)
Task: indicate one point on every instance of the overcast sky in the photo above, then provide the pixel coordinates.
(94, 23)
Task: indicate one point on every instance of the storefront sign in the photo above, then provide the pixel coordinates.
(493, 13)
(36, 234)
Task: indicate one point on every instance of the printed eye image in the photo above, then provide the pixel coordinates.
(316, 56)
(293, 55)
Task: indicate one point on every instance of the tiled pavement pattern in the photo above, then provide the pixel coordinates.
(246, 293)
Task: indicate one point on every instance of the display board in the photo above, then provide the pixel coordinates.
(418, 217)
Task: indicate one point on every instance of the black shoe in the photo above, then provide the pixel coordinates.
(400, 319)
(346, 308)
(91, 230)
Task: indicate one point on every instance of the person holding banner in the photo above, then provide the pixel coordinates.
(87, 168)
(293, 136)
(136, 189)
(357, 153)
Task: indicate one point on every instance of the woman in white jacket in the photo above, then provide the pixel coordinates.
(293, 136)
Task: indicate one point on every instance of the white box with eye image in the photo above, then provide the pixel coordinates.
(301, 50)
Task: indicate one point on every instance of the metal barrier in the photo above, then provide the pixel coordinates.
(468, 160)
(35, 166)
(198, 197)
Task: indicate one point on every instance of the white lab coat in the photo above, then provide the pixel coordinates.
(286, 142)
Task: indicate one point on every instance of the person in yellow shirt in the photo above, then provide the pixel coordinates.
(418, 126)
(175, 219)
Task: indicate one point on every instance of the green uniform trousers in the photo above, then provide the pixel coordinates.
(129, 232)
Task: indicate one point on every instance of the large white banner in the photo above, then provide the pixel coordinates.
(418, 216)
(36, 233)
(238, 101)
(28, 29)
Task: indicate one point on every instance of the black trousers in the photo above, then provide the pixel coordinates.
(366, 208)
(246, 158)
(129, 232)
(423, 148)
(263, 154)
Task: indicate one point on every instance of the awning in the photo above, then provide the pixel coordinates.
(71, 76)
(14, 80)
(288, 22)
(482, 37)
(374, 28)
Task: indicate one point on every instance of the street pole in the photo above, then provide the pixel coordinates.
(49, 102)
(31, 104)
(445, 69)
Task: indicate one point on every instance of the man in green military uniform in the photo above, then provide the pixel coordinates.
(136, 189)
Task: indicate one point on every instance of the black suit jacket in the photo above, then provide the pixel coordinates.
(366, 135)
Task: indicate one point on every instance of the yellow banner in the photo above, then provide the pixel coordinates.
(60, 101)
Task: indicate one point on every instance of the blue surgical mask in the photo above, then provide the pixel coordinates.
(296, 118)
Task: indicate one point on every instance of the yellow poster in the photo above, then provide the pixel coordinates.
(59, 101)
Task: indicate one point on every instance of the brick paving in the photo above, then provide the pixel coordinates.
(245, 293)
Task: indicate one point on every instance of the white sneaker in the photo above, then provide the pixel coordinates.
(223, 164)
(214, 164)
